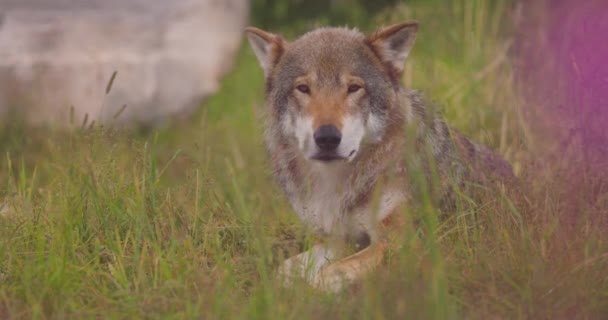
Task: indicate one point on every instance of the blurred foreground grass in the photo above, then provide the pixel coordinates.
(185, 222)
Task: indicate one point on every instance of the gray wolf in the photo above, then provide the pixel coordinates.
(336, 135)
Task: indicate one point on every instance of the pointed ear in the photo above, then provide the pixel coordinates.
(393, 43)
(267, 47)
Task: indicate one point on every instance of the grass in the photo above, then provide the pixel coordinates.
(185, 222)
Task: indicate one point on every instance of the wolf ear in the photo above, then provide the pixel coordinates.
(393, 43)
(267, 47)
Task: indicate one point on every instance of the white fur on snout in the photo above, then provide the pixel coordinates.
(352, 134)
(303, 131)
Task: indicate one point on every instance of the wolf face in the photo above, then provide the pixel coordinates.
(331, 91)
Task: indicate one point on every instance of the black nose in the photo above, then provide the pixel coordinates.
(328, 137)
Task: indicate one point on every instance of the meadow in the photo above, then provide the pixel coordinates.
(185, 221)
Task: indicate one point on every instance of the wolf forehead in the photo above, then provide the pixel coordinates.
(330, 52)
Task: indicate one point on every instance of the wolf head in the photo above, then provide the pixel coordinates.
(333, 90)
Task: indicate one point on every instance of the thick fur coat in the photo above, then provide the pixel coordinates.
(342, 133)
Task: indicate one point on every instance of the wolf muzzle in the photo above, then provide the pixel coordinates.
(327, 138)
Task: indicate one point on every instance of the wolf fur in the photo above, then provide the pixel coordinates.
(341, 79)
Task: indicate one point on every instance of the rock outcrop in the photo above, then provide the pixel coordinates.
(168, 55)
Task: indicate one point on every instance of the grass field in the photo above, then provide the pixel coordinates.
(185, 221)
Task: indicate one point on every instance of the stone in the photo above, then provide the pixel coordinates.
(168, 55)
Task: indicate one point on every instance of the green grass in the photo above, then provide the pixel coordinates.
(185, 222)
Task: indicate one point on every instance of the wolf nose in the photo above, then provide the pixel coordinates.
(327, 137)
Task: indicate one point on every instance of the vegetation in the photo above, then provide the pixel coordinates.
(185, 222)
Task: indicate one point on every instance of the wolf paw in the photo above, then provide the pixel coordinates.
(306, 265)
(332, 279)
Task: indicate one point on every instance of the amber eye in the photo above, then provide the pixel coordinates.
(303, 88)
(354, 88)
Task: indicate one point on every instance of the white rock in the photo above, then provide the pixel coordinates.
(168, 56)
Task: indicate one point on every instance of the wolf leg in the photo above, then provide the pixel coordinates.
(305, 265)
(334, 276)
(345, 271)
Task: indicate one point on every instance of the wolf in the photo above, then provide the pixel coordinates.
(336, 119)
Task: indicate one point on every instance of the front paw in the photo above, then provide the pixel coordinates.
(290, 270)
(306, 265)
(331, 280)
(334, 277)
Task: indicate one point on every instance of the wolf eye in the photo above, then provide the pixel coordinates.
(303, 88)
(354, 88)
